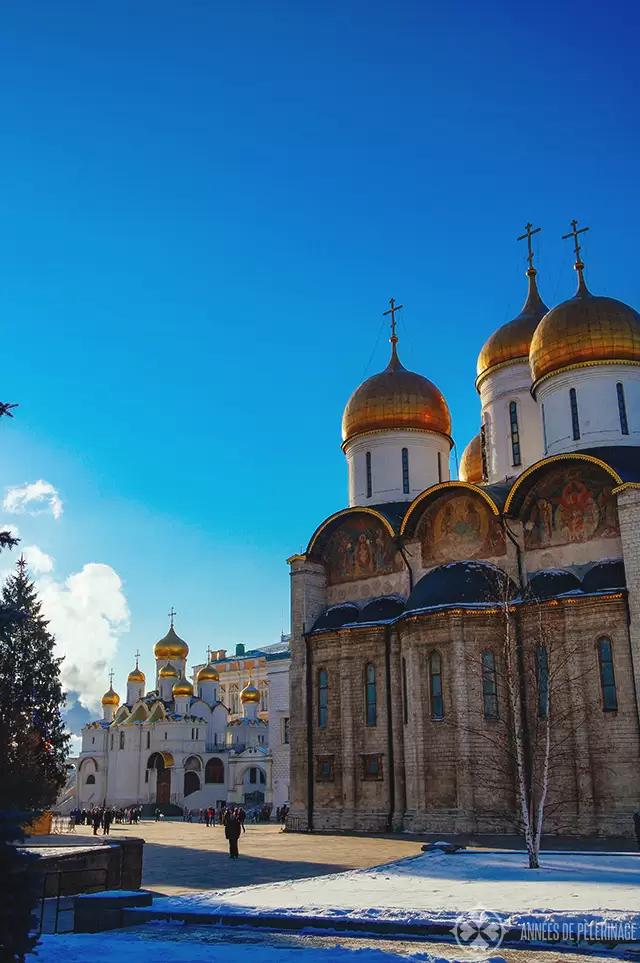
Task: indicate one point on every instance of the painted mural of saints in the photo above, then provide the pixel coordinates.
(360, 551)
(571, 507)
(458, 528)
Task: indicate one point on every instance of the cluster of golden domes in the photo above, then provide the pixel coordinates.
(586, 329)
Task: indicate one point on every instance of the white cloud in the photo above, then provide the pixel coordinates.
(88, 612)
(37, 560)
(35, 498)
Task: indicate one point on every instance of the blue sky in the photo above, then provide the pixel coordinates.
(205, 208)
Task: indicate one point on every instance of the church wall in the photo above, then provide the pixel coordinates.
(497, 390)
(396, 583)
(279, 712)
(385, 448)
(629, 516)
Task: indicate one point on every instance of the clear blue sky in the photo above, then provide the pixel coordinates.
(204, 209)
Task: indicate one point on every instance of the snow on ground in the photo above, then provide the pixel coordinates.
(435, 887)
(120, 947)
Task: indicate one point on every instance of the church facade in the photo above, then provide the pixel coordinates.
(458, 645)
(221, 737)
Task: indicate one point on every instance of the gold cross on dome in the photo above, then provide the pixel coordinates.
(392, 311)
(172, 615)
(209, 654)
(137, 656)
(574, 234)
(111, 679)
(529, 234)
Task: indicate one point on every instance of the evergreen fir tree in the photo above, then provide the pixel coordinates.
(33, 742)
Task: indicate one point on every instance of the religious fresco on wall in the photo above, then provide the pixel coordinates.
(573, 505)
(459, 526)
(361, 548)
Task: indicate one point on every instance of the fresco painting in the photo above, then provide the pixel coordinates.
(569, 506)
(458, 527)
(360, 549)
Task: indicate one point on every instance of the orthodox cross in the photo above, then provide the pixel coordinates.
(209, 654)
(137, 657)
(392, 311)
(529, 234)
(574, 234)
(172, 615)
(111, 679)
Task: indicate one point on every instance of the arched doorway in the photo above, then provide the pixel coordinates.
(254, 784)
(191, 782)
(214, 770)
(163, 777)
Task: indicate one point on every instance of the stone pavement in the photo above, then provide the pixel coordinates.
(186, 857)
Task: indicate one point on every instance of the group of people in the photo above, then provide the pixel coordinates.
(281, 813)
(101, 817)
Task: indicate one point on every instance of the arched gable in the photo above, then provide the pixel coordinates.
(157, 713)
(419, 504)
(524, 482)
(566, 500)
(356, 544)
(139, 713)
(121, 715)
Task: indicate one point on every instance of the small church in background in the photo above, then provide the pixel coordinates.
(221, 736)
(401, 706)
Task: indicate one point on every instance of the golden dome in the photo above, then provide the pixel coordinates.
(136, 675)
(471, 463)
(168, 671)
(510, 343)
(587, 329)
(249, 694)
(182, 688)
(171, 647)
(396, 398)
(110, 698)
(208, 673)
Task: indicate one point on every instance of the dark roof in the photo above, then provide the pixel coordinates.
(394, 512)
(551, 583)
(605, 575)
(461, 583)
(382, 610)
(624, 459)
(337, 616)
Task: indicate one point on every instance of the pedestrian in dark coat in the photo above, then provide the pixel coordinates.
(242, 816)
(232, 832)
(97, 821)
(636, 825)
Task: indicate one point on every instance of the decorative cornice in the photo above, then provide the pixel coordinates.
(625, 486)
(552, 459)
(296, 558)
(580, 364)
(523, 359)
(383, 431)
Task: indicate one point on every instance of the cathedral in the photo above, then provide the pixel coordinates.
(221, 737)
(454, 641)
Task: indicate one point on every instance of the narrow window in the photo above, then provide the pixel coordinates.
(148, 740)
(405, 471)
(489, 687)
(93, 741)
(515, 435)
(607, 678)
(483, 452)
(166, 735)
(122, 740)
(285, 731)
(146, 775)
(370, 693)
(575, 421)
(322, 699)
(542, 677)
(405, 700)
(439, 467)
(544, 429)
(369, 484)
(112, 740)
(435, 686)
(622, 408)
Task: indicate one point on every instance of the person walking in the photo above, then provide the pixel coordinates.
(106, 822)
(232, 833)
(157, 814)
(636, 825)
(96, 820)
(241, 818)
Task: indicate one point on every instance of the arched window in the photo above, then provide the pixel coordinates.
(405, 471)
(544, 429)
(233, 697)
(516, 460)
(489, 687)
(542, 678)
(405, 694)
(483, 449)
(369, 480)
(214, 770)
(439, 467)
(322, 699)
(90, 780)
(257, 776)
(264, 699)
(435, 686)
(622, 409)
(607, 677)
(121, 739)
(575, 421)
(148, 740)
(370, 693)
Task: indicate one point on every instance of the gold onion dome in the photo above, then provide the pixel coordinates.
(471, 462)
(171, 647)
(396, 398)
(249, 694)
(168, 672)
(110, 698)
(208, 673)
(136, 675)
(585, 330)
(182, 688)
(510, 343)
